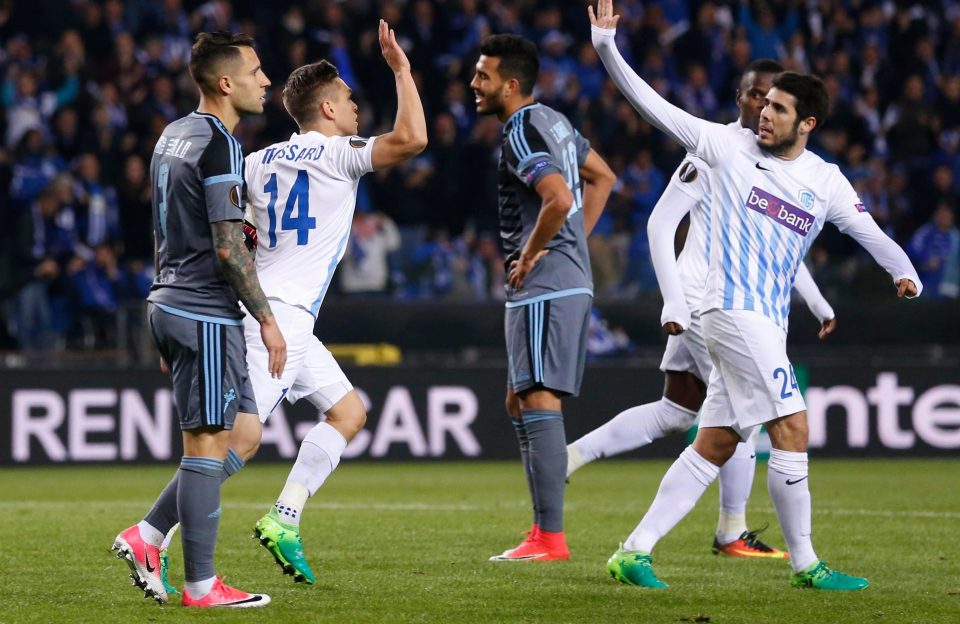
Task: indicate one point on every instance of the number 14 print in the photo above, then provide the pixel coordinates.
(299, 198)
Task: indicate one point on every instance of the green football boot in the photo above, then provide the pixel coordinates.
(164, 566)
(634, 567)
(819, 576)
(283, 542)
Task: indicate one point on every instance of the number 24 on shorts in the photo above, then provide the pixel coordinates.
(780, 372)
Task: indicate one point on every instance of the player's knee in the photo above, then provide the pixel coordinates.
(675, 418)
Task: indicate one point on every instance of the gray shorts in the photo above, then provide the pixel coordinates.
(208, 365)
(547, 344)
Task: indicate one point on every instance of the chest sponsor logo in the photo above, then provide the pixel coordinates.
(786, 214)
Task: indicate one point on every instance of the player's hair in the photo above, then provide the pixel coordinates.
(518, 59)
(810, 93)
(764, 66)
(210, 52)
(300, 91)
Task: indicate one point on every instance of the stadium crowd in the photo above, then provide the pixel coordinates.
(88, 88)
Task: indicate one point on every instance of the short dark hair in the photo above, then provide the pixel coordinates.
(519, 59)
(764, 66)
(810, 92)
(210, 51)
(299, 93)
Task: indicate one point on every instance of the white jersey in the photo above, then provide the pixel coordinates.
(689, 192)
(301, 195)
(765, 211)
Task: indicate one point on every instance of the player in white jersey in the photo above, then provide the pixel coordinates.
(769, 199)
(302, 193)
(686, 363)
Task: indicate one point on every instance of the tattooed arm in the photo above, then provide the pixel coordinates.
(238, 268)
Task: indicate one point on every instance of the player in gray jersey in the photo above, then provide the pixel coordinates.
(552, 189)
(203, 267)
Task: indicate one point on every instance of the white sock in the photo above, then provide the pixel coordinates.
(681, 488)
(575, 459)
(790, 490)
(199, 589)
(736, 481)
(291, 501)
(169, 536)
(149, 533)
(318, 457)
(633, 428)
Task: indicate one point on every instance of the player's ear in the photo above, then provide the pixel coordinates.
(225, 85)
(807, 125)
(326, 109)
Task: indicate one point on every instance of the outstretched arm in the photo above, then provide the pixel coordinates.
(678, 124)
(811, 295)
(409, 135)
(888, 254)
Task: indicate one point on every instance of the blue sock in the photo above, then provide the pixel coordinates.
(198, 499)
(521, 428)
(548, 465)
(163, 515)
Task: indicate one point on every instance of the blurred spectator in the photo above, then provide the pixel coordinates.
(92, 86)
(365, 269)
(935, 249)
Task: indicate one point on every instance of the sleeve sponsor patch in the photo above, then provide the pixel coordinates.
(358, 142)
(688, 172)
(236, 196)
(532, 172)
(860, 207)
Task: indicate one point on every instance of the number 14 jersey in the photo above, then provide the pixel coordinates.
(301, 195)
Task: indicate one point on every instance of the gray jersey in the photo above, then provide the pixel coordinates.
(539, 141)
(197, 176)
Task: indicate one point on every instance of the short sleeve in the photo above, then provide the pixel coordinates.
(352, 157)
(845, 208)
(583, 148)
(221, 173)
(527, 156)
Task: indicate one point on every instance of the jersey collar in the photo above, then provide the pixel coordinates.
(520, 110)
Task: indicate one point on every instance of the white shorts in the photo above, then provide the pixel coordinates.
(310, 370)
(687, 353)
(752, 380)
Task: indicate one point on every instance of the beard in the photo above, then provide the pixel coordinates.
(492, 104)
(784, 145)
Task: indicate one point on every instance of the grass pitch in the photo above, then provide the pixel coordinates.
(409, 543)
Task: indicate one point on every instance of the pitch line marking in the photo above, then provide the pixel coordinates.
(441, 507)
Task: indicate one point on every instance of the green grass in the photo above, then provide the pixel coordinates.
(409, 543)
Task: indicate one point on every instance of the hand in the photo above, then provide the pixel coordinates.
(163, 366)
(827, 328)
(906, 287)
(673, 329)
(520, 268)
(604, 17)
(276, 347)
(391, 50)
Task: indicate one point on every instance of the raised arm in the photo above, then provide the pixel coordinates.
(811, 295)
(409, 135)
(677, 123)
(598, 180)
